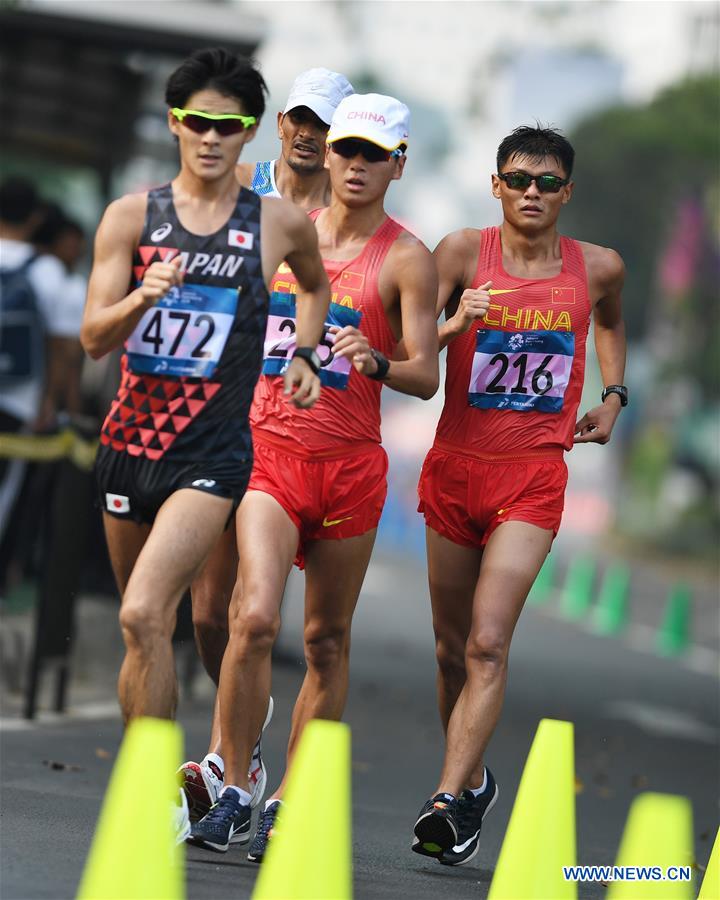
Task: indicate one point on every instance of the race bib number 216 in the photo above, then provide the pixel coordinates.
(521, 371)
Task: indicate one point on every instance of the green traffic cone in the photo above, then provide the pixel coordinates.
(577, 593)
(611, 613)
(543, 584)
(674, 634)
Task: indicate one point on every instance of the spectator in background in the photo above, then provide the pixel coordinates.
(61, 237)
(32, 314)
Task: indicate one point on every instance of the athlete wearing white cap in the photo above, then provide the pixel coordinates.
(375, 118)
(299, 174)
(319, 482)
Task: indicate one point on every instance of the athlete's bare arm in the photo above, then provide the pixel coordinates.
(244, 173)
(111, 313)
(410, 277)
(456, 259)
(291, 236)
(606, 276)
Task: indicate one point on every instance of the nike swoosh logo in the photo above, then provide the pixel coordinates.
(328, 522)
(501, 291)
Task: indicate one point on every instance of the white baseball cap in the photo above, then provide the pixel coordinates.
(381, 120)
(320, 90)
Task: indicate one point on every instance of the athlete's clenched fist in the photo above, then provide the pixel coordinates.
(352, 343)
(474, 304)
(159, 278)
(302, 385)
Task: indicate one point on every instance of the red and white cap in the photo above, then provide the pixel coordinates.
(381, 120)
(320, 90)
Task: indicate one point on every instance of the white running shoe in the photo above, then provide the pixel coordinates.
(181, 819)
(201, 784)
(257, 773)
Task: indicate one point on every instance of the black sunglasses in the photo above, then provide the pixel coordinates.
(521, 181)
(349, 148)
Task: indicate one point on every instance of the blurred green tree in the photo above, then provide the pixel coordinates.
(636, 167)
(647, 184)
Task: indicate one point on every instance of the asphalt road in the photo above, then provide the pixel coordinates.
(641, 723)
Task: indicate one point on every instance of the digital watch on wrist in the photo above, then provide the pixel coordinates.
(310, 356)
(383, 364)
(618, 389)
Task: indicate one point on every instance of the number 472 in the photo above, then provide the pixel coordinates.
(153, 333)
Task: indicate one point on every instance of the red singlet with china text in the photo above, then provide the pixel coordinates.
(340, 418)
(515, 378)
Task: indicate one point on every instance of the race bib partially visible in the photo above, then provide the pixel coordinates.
(522, 370)
(280, 340)
(185, 333)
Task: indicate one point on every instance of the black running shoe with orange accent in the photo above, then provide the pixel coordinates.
(436, 829)
(471, 812)
(263, 833)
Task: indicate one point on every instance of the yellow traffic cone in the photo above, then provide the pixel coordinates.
(710, 889)
(540, 838)
(309, 856)
(658, 835)
(133, 853)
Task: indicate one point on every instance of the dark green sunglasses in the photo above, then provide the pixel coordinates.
(521, 181)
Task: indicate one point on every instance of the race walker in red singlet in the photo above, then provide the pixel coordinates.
(326, 467)
(517, 300)
(318, 483)
(512, 389)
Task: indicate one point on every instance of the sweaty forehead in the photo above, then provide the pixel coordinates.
(539, 165)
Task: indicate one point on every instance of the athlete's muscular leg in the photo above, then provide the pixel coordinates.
(334, 573)
(185, 529)
(211, 594)
(125, 539)
(267, 542)
(452, 574)
(512, 558)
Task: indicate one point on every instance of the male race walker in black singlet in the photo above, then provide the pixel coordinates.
(180, 279)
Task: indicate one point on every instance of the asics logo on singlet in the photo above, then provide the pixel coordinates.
(203, 482)
(162, 232)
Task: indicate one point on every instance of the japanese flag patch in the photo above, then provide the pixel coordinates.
(117, 503)
(243, 239)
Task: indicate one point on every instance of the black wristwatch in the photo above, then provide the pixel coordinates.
(309, 354)
(383, 364)
(618, 389)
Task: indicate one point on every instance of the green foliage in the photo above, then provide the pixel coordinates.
(634, 166)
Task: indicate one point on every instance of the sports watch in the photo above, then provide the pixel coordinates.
(618, 389)
(309, 354)
(383, 364)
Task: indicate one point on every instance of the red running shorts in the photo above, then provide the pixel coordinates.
(326, 498)
(464, 498)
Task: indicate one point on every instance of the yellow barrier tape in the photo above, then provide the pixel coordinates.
(50, 447)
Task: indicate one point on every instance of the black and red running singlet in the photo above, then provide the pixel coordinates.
(190, 366)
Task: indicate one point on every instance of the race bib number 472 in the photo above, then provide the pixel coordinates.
(185, 333)
(521, 371)
(280, 340)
